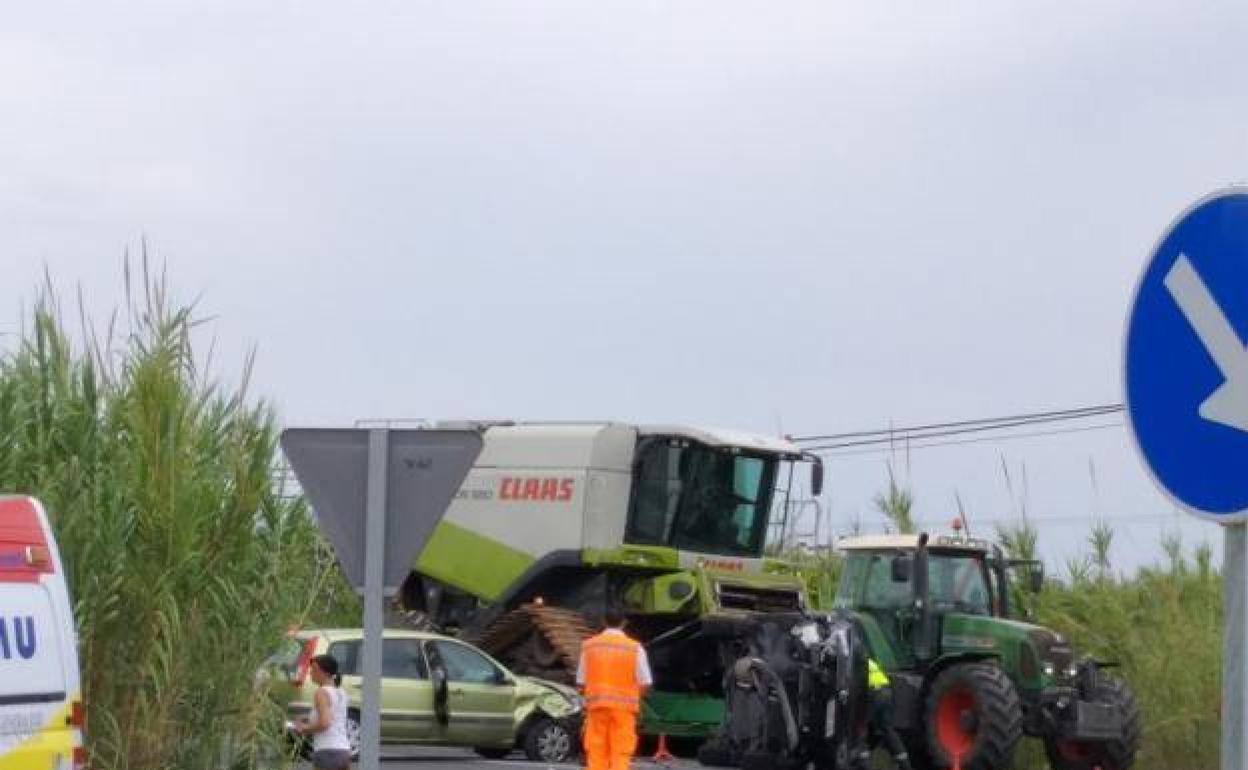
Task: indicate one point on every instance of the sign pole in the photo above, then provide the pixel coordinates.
(1235, 622)
(374, 558)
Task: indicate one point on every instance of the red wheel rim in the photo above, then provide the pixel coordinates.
(1074, 750)
(955, 737)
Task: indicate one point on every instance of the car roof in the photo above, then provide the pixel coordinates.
(340, 634)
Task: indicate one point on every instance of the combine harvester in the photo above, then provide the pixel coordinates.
(557, 521)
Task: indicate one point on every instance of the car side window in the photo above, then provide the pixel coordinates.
(348, 656)
(464, 664)
(403, 659)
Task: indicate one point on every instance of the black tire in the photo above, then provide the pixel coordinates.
(1107, 755)
(975, 706)
(717, 753)
(492, 753)
(549, 740)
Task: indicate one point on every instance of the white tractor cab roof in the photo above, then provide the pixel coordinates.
(911, 543)
(41, 713)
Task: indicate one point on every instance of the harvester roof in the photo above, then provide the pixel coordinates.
(724, 438)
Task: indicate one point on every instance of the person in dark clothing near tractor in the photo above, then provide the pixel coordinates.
(880, 717)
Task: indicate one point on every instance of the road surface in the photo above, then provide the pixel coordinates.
(400, 758)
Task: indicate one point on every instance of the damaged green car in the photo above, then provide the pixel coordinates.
(481, 705)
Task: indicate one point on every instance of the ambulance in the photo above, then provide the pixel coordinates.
(41, 710)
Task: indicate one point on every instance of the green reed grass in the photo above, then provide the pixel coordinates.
(186, 564)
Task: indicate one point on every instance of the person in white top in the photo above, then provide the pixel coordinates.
(331, 749)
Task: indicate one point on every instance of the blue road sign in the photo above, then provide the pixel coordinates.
(1186, 366)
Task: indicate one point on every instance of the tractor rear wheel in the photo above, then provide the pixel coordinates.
(974, 718)
(1065, 754)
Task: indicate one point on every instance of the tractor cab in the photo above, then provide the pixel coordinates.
(907, 584)
(937, 614)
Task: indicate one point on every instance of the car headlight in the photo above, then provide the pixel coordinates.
(1072, 671)
(1048, 669)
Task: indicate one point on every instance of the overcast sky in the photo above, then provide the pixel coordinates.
(798, 217)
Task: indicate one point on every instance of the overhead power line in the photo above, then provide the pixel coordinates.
(938, 430)
(911, 447)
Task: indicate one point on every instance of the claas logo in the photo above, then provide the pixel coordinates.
(537, 489)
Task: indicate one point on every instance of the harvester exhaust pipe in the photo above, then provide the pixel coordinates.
(923, 614)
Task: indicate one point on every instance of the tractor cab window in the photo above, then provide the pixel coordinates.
(881, 591)
(700, 499)
(959, 583)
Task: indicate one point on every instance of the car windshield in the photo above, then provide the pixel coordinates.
(700, 499)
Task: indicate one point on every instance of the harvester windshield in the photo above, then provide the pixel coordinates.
(701, 499)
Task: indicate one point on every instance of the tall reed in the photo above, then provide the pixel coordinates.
(186, 565)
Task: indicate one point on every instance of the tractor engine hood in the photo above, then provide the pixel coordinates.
(1040, 655)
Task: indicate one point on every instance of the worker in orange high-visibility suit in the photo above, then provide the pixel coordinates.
(614, 675)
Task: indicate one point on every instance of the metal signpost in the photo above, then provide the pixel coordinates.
(1186, 380)
(378, 494)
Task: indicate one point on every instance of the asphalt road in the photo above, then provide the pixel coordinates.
(399, 758)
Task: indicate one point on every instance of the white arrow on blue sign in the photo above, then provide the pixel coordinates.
(1186, 363)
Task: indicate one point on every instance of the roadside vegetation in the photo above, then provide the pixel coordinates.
(186, 563)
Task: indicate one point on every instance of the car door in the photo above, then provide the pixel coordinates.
(400, 695)
(481, 695)
(407, 693)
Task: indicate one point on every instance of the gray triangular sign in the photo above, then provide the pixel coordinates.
(425, 469)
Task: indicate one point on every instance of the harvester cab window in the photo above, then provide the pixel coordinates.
(700, 499)
(657, 495)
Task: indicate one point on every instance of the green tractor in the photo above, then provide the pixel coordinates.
(969, 681)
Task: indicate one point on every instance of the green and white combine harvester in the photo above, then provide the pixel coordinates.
(557, 521)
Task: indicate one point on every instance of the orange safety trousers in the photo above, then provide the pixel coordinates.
(610, 738)
(612, 698)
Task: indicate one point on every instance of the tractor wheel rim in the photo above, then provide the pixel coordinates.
(952, 731)
(1074, 750)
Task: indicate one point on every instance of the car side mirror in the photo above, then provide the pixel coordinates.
(902, 567)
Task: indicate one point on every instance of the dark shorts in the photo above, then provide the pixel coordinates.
(331, 759)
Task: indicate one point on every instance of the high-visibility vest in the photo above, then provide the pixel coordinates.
(611, 672)
(876, 678)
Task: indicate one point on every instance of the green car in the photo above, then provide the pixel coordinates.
(482, 705)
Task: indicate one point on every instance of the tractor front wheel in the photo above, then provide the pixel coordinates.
(1066, 754)
(974, 718)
